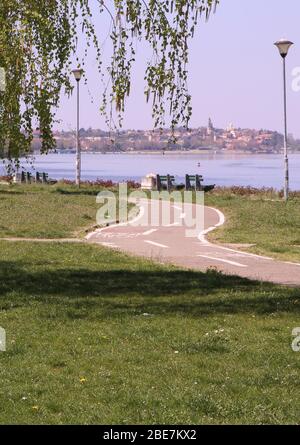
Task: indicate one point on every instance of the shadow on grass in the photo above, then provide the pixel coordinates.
(77, 192)
(161, 291)
(10, 192)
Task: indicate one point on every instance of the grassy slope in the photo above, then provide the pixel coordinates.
(81, 350)
(75, 312)
(44, 212)
(59, 211)
(270, 224)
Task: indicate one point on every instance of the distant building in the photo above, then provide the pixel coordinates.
(231, 130)
(202, 138)
(210, 128)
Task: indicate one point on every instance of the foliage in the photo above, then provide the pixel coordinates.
(36, 49)
(249, 191)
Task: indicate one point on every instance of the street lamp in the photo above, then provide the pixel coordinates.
(78, 75)
(283, 47)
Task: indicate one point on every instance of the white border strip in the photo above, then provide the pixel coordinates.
(232, 263)
(222, 220)
(156, 244)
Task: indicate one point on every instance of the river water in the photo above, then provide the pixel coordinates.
(223, 170)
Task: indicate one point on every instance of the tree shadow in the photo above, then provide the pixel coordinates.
(77, 192)
(157, 290)
(10, 192)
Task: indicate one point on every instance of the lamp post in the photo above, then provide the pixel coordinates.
(283, 47)
(78, 75)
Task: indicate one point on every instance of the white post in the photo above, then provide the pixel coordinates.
(78, 150)
(286, 160)
(283, 46)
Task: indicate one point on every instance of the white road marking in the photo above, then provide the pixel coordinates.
(108, 245)
(120, 235)
(123, 224)
(149, 232)
(237, 253)
(204, 241)
(202, 235)
(293, 264)
(246, 254)
(233, 263)
(173, 224)
(156, 244)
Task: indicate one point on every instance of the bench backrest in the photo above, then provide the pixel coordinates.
(165, 178)
(193, 177)
(168, 179)
(196, 180)
(41, 177)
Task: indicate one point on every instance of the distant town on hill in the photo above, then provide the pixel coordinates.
(207, 138)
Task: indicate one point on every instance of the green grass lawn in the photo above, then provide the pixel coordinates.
(44, 212)
(95, 336)
(263, 220)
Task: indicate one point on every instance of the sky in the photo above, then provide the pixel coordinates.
(235, 72)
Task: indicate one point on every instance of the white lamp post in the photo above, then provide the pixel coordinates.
(78, 75)
(283, 47)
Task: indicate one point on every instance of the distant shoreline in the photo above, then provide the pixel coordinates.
(224, 169)
(173, 153)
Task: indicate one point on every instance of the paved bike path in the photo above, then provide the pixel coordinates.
(169, 244)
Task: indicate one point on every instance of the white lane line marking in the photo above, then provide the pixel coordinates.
(156, 244)
(123, 224)
(239, 253)
(202, 235)
(293, 264)
(108, 245)
(247, 254)
(149, 232)
(173, 224)
(222, 220)
(233, 263)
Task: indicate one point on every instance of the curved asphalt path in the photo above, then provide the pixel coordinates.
(169, 244)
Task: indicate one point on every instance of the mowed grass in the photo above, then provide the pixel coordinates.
(45, 211)
(260, 219)
(94, 336)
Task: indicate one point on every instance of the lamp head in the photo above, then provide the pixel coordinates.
(283, 46)
(78, 72)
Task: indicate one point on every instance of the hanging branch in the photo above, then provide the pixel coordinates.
(36, 49)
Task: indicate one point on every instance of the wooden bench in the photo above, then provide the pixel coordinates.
(26, 177)
(41, 177)
(193, 182)
(165, 182)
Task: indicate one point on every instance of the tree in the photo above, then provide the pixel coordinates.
(39, 37)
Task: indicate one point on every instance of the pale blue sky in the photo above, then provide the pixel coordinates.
(235, 71)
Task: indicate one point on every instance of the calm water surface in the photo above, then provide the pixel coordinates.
(223, 170)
